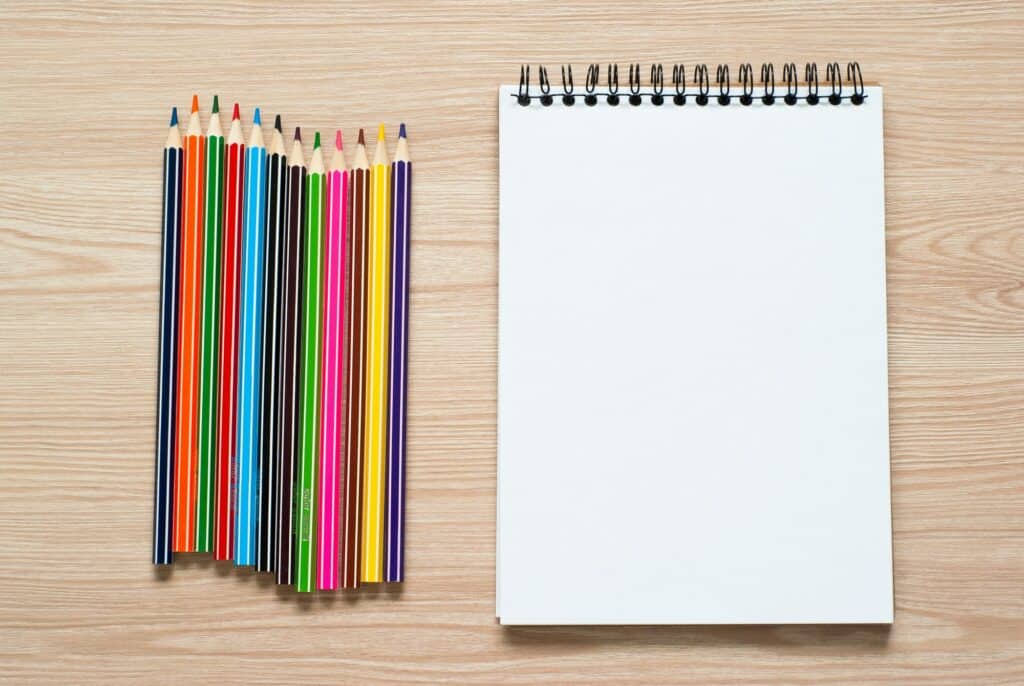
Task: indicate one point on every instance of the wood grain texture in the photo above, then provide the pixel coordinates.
(79, 269)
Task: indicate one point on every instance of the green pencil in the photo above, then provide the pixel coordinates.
(210, 340)
(309, 415)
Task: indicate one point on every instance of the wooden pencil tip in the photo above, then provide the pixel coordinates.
(337, 140)
(401, 130)
(235, 114)
(380, 133)
(277, 122)
(174, 116)
(316, 140)
(298, 134)
(195, 103)
(362, 139)
(216, 105)
(256, 120)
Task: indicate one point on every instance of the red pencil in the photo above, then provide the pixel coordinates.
(187, 424)
(227, 387)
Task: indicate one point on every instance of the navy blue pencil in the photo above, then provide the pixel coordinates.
(394, 525)
(163, 485)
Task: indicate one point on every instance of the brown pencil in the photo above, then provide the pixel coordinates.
(359, 226)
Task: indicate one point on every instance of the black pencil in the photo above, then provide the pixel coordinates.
(291, 329)
(269, 453)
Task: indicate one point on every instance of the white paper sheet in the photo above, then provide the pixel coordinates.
(693, 397)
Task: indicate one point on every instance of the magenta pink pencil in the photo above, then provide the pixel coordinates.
(332, 381)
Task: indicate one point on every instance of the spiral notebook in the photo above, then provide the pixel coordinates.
(693, 396)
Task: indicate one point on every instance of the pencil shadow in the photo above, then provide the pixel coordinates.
(191, 561)
(326, 600)
(305, 602)
(329, 599)
(859, 638)
(224, 568)
(266, 580)
(163, 572)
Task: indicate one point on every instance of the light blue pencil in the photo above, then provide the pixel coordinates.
(250, 361)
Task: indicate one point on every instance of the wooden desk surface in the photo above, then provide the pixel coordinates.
(85, 97)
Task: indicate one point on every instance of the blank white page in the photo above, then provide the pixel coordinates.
(693, 395)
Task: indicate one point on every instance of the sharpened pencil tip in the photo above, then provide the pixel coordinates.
(362, 139)
(316, 140)
(216, 105)
(380, 133)
(174, 116)
(337, 140)
(401, 130)
(298, 134)
(235, 114)
(256, 120)
(195, 103)
(277, 122)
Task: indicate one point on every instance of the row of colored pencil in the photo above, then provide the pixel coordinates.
(283, 349)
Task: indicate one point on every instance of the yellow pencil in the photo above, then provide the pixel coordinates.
(374, 457)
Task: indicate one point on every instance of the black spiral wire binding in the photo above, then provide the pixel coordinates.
(634, 85)
(613, 84)
(523, 96)
(792, 85)
(854, 76)
(593, 76)
(567, 88)
(657, 85)
(722, 79)
(811, 76)
(768, 83)
(545, 86)
(747, 83)
(835, 83)
(679, 82)
(701, 78)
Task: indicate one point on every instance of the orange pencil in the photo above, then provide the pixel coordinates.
(186, 450)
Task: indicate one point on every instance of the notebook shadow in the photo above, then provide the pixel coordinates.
(859, 638)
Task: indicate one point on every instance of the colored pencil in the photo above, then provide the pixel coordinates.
(312, 315)
(359, 226)
(170, 232)
(266, 522)
(227, 382)
(190, 306)
(394, 541)
(250, 361)
(210, 338)
(332, 373)
(291, 328)
(377, 372)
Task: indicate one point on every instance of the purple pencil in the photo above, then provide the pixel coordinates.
(394, 541)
